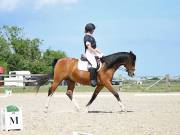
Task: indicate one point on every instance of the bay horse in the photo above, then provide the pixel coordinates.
(66, 69)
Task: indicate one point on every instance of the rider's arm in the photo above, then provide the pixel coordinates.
(88, 44)
(98, 51)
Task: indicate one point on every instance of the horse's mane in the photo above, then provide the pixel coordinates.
(115, 58)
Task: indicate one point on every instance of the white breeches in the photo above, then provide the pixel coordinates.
(91, 58)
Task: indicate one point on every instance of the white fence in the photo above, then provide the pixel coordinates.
(19, 79)
(166, 83)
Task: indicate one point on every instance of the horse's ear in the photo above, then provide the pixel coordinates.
(131, 52)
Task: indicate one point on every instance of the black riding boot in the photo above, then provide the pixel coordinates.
(93, 76)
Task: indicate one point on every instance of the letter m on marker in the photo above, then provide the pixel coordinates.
(13, 120)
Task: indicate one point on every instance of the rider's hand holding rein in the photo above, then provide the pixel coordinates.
(96, 51)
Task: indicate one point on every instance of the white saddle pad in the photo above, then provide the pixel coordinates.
(84, 65)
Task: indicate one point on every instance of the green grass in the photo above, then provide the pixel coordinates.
(159, 87)
(46, 88)
(126, 87)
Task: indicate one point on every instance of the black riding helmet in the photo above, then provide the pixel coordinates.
(90, 27)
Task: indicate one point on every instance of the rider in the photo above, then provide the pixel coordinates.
(91, 51)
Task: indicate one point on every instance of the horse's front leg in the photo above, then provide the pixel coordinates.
(109, 86)
(96, 92)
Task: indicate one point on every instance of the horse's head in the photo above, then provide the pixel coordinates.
(127, 59)
(130, 64)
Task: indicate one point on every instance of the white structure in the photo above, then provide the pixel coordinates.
(11, 118)
(17, 78)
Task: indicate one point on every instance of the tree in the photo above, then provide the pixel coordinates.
(16, 62)
(49, 56)
(20, 53)
(28, 48)
(4, 51)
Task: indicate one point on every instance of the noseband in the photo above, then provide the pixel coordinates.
(129, 63)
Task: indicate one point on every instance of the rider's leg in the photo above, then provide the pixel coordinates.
(93, 70)
(93, 76)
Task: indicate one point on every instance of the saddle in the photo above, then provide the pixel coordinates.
(83, 58)
(84, 64)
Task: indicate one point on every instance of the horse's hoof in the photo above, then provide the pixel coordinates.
(77, 109)
(45, 111)
(124, 110)
(46, 107)
(86, 110)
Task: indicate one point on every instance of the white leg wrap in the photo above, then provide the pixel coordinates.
(76, 105)
(86, 109)
(47, 104)
(48, 101)
(122, 106)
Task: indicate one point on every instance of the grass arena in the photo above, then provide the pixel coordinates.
(147, 114)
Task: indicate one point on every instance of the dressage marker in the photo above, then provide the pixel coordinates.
(7, 93)
(11, 118)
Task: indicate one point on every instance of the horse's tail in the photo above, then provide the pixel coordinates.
(54, 63)
(44, 79)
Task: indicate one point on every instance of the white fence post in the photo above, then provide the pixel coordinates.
(168, 82)
(154, 83)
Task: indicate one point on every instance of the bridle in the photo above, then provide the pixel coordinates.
(128, 69)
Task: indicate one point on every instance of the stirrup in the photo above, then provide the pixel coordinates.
(93, 83)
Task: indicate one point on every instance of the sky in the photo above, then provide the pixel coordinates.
(151, 29)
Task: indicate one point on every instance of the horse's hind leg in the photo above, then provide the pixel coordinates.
(109, 86)
(50, 92)
(69, 93)
(57, 80)
(70, 89)
(53, 88)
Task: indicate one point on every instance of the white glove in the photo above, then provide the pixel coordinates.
(99, 54)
